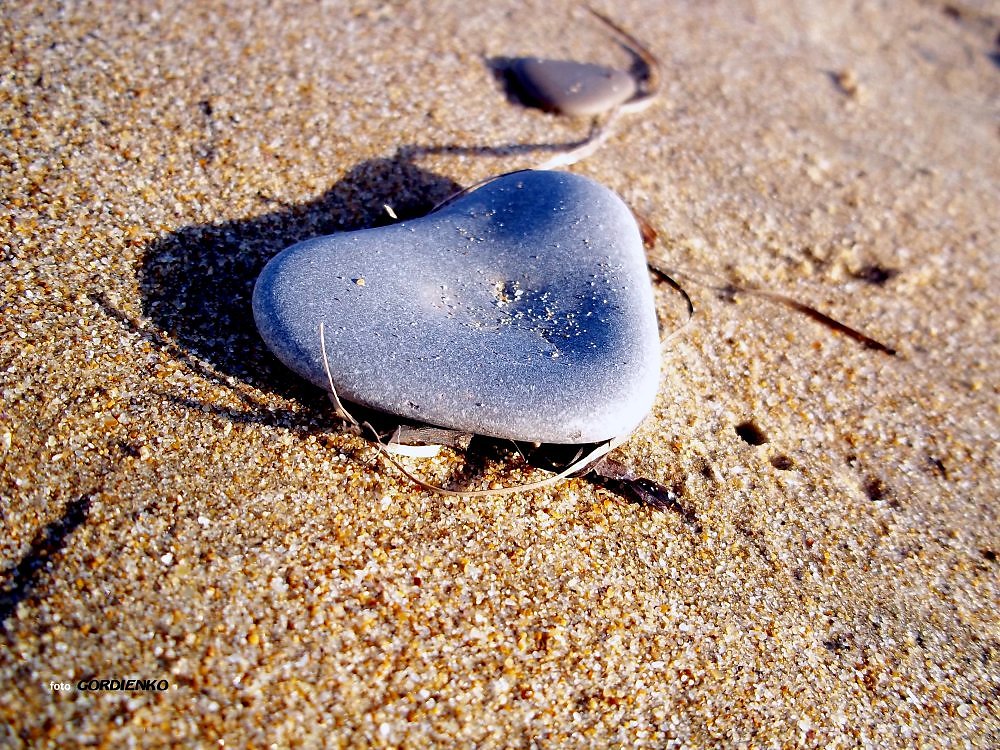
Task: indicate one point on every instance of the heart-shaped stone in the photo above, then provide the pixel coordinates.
(520, 310)
(570, 87)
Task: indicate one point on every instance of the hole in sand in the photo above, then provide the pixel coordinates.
(750, 433)
(782, 463)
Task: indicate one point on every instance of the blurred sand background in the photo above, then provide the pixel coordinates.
(175, 505)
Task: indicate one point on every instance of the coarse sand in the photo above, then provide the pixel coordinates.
(177, 506)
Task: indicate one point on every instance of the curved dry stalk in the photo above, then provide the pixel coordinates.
(650, 81)
(727, 287)
(594, 455)
(464, 191)
(338, 407)
(599, 133)
(673, 284)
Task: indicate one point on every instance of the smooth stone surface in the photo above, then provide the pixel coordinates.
(572, 88)
(521, 310)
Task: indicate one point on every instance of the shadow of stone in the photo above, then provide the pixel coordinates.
(502, 70)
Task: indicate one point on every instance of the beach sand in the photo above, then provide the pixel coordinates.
(177, 506)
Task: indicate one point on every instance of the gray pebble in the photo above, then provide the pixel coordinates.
(521, 310)
(572, 88)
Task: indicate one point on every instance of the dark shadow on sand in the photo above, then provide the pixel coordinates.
(21, 580)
